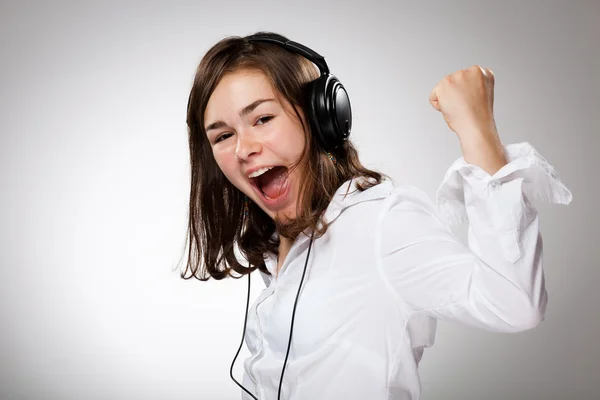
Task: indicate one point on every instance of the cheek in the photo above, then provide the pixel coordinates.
(227, 166)
(298, 146)
(295, 141)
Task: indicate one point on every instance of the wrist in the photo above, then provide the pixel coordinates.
(483, 149)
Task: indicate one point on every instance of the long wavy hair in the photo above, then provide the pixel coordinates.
(217, 227)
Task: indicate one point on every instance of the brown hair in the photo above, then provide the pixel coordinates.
(216, 219)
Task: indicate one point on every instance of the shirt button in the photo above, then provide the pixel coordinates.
(494, 185)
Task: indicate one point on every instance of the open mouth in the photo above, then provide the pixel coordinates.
(272, 184)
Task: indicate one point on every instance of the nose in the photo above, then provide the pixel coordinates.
(246, 145)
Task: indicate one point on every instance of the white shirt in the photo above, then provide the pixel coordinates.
(388, 267)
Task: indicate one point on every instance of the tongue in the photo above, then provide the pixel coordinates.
(272, 182)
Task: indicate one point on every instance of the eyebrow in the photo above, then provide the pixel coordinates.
(245, 111)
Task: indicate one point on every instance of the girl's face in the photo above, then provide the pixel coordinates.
(248, 128)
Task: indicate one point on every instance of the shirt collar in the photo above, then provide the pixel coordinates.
(348, 195)
(345, 196)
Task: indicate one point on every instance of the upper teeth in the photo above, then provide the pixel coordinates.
(259, 172)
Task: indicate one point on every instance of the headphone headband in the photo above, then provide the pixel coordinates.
(327, 102)
(294, 47)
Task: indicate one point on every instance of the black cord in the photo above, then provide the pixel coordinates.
(293, 315)
(243, 334)
(291, 328)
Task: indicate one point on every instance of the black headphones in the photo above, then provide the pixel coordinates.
(327, 102)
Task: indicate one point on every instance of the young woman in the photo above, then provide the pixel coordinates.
(357, 268)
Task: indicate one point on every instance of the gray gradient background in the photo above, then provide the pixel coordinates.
(95, 184)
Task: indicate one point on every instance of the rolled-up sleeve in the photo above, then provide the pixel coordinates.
(496, 281)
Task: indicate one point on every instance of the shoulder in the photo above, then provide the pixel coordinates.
(388, 197)
(387, 191)
(400, 196)
(407, 208)
(410, 197)
(377, 200)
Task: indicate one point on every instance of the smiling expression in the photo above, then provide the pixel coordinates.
(249, 128)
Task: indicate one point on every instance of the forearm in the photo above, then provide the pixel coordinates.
(483, 149)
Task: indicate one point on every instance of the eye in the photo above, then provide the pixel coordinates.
(218, 139)
(265, 119)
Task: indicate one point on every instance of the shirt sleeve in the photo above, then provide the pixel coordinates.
(496, 281)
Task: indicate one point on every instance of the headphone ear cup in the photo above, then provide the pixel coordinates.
(313, 98)
(329, 111)
(338, 109)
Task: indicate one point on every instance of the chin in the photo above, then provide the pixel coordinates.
(288, 214)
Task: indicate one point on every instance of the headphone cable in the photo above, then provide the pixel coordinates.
(291, 328)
